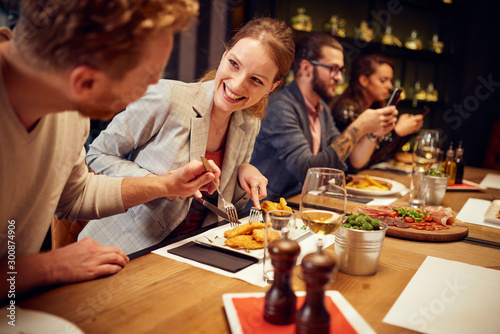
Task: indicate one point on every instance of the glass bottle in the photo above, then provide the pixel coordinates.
(431, 93)
(313, 317)
(413, 42)
(449, 165)
(280, 301)
(364, 32)
(389, 39)
(332, 26)
(420, 93)
(397, 84)
(436, 45)
(336, 26)
(459, 160)
(301, 21)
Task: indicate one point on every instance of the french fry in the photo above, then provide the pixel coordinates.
(372, 181)
(367, 183)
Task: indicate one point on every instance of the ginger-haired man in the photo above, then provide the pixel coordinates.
(69, 61)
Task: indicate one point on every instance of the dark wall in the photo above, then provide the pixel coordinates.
(470, 78)
(476, 103)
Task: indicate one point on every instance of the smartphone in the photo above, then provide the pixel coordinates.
(394, 99)
(425, 110)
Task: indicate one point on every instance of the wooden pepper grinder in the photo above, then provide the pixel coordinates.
(280, 302)
(313, 317)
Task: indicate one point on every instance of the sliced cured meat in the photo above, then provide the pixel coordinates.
(389, 215)
(440, 215)
(380, 211)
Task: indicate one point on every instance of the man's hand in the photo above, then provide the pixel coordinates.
(191, 180)
(182, 182)
(80, 261)
(84, 260)
(253, 182)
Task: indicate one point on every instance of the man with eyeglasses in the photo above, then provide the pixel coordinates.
(298, 131)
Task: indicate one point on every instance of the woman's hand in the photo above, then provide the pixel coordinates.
(253, 182)
(377, 121)
(408, 124)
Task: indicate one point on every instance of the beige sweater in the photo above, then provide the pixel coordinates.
(43, 172)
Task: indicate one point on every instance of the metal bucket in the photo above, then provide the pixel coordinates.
(436, 189)
(358, 251)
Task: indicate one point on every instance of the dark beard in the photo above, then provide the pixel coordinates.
(319, 88)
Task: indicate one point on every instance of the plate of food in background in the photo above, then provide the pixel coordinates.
(373, 186)
(492, 214)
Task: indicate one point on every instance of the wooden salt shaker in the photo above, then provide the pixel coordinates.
(313, 317)
(280, 302)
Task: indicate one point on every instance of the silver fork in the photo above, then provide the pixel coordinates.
(254, 215)
(229, 207)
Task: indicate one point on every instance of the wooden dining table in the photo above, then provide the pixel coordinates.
(154, 294)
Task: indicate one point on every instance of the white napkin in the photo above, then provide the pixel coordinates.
(449, 297)
(473, 212)
(491, 181)
(251, 274)
(388, 200)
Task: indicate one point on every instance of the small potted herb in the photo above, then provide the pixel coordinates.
(437, 181)
(437, 172)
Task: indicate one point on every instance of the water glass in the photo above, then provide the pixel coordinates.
(424, 155)
(279, 224)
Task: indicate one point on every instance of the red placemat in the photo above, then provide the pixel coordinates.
(466, 185)
(249, 313)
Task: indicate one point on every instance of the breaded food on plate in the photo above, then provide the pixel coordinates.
(270, 206)
(260, 234)
(244, 241)
(243, 229)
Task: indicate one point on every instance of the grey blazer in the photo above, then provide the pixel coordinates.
(160, 132)
(283, 147)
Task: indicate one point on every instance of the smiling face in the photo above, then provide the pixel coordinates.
(245, 74)
(378, 85)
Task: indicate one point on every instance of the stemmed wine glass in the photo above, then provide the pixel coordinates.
(433, 136)
(323, 201)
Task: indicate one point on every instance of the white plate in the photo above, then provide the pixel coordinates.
(215, 238)
(492, 212)
(396, 188)
(31, 321)
(351, 315)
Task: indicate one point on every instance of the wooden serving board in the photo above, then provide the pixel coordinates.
(456, 232)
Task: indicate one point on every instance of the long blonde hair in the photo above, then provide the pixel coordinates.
(277, 37)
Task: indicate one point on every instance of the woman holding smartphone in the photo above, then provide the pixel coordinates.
(369, 87)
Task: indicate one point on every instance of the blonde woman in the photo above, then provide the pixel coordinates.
(176, 123)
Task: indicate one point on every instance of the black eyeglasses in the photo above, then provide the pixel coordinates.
(333, 70)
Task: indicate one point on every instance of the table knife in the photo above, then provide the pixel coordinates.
(213, 208)
(350, 198)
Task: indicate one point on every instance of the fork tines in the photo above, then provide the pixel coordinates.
(254, 215)
(232, 215)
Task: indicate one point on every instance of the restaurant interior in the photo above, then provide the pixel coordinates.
(467, 55)
(437, 282)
